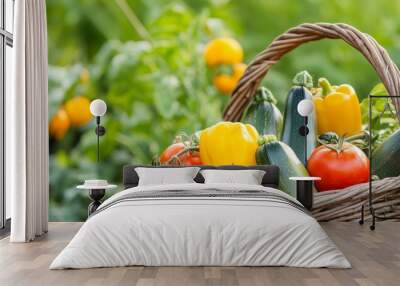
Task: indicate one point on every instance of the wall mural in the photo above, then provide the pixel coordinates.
(168, 79)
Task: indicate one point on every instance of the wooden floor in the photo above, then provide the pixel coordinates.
(375, 257)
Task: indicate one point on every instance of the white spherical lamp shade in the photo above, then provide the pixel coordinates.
(305, 107)
(98, 107)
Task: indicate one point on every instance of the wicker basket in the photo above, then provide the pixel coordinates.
(341, 204)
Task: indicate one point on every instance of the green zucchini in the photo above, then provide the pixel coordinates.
(263, 114)
(292, 120)
(274, 152)
(386, 157)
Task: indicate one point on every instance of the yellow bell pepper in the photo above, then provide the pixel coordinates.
(338, 109)
(228, 143)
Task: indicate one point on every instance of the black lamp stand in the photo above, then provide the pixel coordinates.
(100, 131)
(97, 194)
(304, 191)
(303, 130)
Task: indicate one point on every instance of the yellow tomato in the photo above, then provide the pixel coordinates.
(59, 124)
(223, 51)
(78, 109)
(227, 83)
(84, 76)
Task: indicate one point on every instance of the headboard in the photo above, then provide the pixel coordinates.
(270, 179)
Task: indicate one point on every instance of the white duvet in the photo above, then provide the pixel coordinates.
(200, 231)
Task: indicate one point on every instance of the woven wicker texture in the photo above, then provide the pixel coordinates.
(345, 204)
(258, 68)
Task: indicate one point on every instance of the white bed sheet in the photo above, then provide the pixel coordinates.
(200, 232)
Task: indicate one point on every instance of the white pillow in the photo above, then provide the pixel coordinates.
(247, 177)
(166, 176)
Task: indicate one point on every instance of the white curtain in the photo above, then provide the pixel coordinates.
(27, 124)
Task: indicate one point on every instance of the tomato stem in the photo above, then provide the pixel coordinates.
(336, 143)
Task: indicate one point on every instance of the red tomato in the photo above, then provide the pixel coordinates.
(171, 151)
(193, 160)
(190, 158)
(338, 170)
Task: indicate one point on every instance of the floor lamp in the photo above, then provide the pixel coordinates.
(370, 187)
(98, 108)
(305, 108)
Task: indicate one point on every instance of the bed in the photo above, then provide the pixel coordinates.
(201, 224)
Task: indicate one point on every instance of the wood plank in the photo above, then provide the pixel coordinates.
(375, 257)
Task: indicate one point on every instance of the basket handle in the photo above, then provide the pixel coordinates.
(291, 39)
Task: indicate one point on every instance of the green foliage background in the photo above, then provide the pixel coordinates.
(145, 60)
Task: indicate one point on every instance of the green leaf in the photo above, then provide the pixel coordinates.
(379, 89)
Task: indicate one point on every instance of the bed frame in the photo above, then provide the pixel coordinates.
(270, 179)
